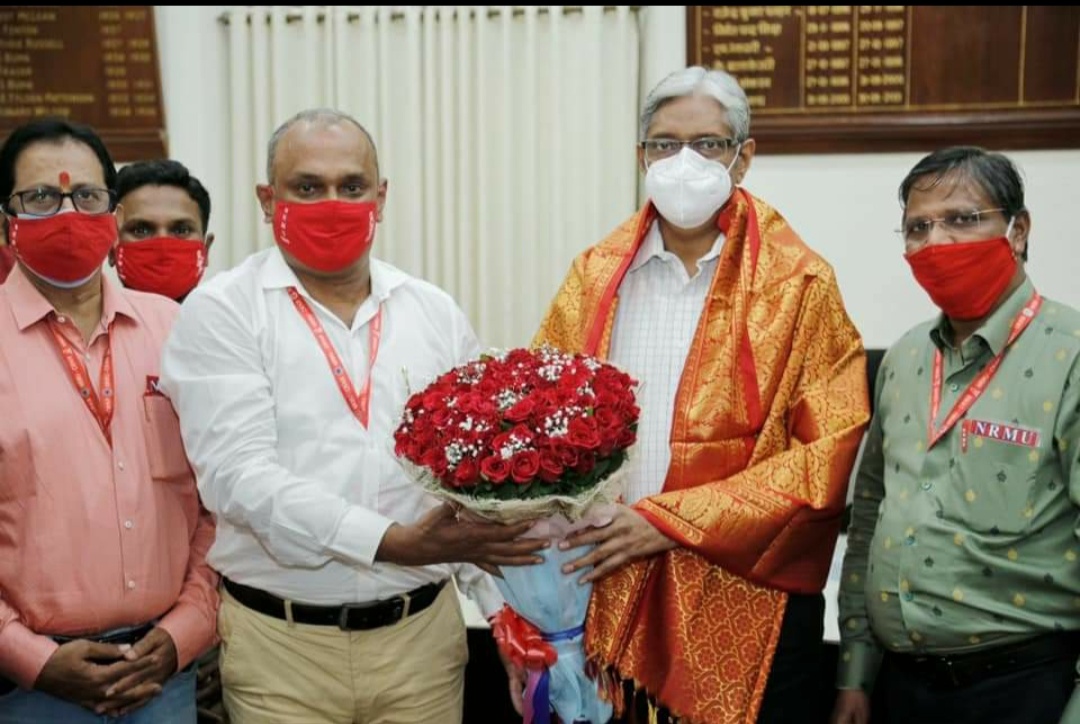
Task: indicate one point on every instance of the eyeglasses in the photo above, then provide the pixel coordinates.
(917, 231)
(712, 147)
(45, 201)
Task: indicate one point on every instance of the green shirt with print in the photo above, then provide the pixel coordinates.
(972, 543)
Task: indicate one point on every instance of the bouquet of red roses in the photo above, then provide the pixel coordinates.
(517, 435)
(537, 435)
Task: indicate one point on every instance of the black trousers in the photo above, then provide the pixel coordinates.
(1034, 695)
(799, 688)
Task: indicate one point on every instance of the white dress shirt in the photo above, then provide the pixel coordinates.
(657, 315)
(302, 492)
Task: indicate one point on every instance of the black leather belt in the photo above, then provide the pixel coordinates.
(347, 617)
(959, 670)
(123, 637)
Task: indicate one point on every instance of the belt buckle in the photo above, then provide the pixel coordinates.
(399, 610)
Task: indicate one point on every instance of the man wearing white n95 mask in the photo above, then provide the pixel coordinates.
(708, 582)
(287, 374)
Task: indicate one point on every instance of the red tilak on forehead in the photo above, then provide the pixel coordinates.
(65, 180)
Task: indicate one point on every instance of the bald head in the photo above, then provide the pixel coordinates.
(306, 120)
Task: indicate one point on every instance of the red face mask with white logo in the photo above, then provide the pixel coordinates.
(326, 236)
(165, 265)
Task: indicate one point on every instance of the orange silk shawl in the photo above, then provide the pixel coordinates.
(769, 413)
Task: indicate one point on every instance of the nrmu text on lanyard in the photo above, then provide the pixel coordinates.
(980, 383)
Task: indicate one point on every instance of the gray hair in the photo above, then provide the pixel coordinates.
(320, 116)
(715, 84)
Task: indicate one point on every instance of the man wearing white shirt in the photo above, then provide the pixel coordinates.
(289, 374)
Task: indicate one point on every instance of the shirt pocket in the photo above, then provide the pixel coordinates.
(1002, 499)
(164, 446)
(16, 465)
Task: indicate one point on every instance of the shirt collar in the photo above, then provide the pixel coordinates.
(652, 247)
(997, 327)
(276, 274)
(30, 306)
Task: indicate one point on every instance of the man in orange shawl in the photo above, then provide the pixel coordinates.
(707, 598)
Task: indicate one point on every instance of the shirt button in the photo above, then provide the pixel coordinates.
(907, 595)
(909, 541)
(120, 465)
(954, 387)
(131, 585)
(61, 319)
(128, 524)
(926, 485)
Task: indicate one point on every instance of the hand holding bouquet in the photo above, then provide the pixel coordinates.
(536, 435)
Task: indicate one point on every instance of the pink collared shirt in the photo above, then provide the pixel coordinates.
(7, 262)
(94, 537)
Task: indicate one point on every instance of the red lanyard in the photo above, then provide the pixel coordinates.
(358, 402)
(979, 385)
(100, 407)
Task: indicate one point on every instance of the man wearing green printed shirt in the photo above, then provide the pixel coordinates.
(961, 579)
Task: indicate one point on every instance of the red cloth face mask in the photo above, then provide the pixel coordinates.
(65, 249)
(964, 279)
(326, 236)
(165, 265)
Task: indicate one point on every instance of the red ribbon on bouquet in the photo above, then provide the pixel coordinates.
(520, 641)
(524, 645)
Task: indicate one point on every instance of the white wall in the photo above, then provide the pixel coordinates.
(844, 206)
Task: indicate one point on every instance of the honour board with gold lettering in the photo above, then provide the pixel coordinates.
(882, 78)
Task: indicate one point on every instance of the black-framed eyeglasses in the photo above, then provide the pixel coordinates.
(46, 201)
(711, 147)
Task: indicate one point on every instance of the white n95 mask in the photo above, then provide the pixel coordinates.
(688, 188)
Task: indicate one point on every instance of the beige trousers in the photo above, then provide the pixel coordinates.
(413, 672)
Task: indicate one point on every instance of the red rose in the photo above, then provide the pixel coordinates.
(607, 417)
(546, 401)
(550, 467)
(582, 433)
(441, 417)
(477, 405)
(610, 400)
(585, 464)
(467, 473)
(572, 379)
(423, 436)
(522, 433)
(489, 386)
(525, 466)
(434, 459)
(495, 469)
(434, 399)
(520, 412)
(567, 455)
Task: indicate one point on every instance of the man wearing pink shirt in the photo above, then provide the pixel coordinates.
(105, 595)
(7, 261)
